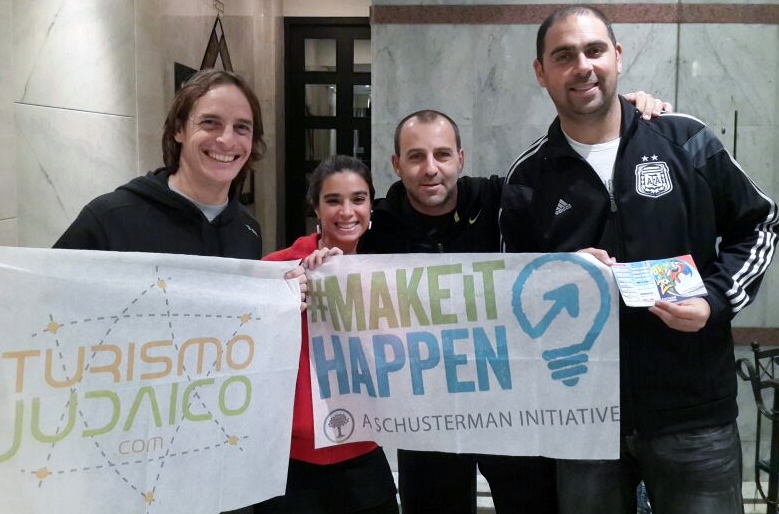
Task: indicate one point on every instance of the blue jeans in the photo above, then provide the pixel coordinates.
(693, 471)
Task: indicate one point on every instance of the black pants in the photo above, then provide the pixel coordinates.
(363, 485)
(434, 482)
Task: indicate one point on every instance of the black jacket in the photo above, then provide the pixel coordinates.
(473, 227)
(676, 191)
(144, 215)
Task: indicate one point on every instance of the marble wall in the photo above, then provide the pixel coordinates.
(77, 139)
(8, 197)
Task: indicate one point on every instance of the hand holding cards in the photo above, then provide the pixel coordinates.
(673, 279)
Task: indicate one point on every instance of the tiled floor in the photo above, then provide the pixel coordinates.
(752, 501)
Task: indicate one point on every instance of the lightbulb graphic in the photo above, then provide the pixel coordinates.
(567, 363)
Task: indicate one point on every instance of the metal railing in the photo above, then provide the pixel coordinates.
(763, 374)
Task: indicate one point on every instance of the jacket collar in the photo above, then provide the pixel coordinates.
(558, 145)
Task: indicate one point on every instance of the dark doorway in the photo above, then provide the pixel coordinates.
(327, 78)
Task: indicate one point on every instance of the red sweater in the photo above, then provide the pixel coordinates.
(303, 416)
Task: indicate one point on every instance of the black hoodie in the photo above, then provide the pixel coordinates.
(144, 215)
(471, 228)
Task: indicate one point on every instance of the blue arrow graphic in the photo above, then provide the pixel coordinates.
(568, 361)
(564, 297)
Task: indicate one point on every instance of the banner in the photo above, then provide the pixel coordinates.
(513, 354)
(144, 383)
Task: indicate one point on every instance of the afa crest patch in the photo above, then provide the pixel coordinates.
(653, 179)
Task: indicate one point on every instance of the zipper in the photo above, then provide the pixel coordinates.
(619, 244)
(611, 197)
(613, 218)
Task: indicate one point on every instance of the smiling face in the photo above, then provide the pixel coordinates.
(216, 142)
(579, 70)
(344, 210)
(429, 164)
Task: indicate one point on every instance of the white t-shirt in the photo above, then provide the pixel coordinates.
(601, 157)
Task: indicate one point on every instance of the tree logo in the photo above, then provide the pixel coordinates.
(339, 425)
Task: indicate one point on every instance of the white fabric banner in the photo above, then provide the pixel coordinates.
(143, 383)
(471, 353)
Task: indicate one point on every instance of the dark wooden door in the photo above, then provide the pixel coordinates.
(327, 104)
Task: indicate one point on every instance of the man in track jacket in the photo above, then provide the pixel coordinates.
(635, 190)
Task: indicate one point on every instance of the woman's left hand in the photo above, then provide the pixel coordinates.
(313, 261)
(317, 257)
(299, 273)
